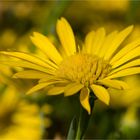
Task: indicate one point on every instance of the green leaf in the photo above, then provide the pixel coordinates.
(72, 129)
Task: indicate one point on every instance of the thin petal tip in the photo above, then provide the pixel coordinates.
(35, 34)
(66, 95)
(62, 19)
(131, 27)
(107, 102)
(28, 92)
(14, 76)
(89, 112)
(32, 37)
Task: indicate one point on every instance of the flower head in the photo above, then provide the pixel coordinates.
(87, 69)
(18, 117)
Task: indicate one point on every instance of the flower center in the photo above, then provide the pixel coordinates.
(84, 68)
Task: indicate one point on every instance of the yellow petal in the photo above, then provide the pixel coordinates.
(49, 78)
(132, 54)
(127, 65)
(38, 87)
(66, 36)
(89, 41)
(98, 40)
(25, 64)
(113, 83)
(95, 67)
(99, 68)
(55, 90)
(84, 99)
(45, 84)
(101, 93)
(28, 58)
(72, 88)
(30, 74)
(117, 41)
(125, 72)
(125, 50)
(108, 40)
(44, 44)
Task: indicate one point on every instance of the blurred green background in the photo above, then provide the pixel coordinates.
(18, 19)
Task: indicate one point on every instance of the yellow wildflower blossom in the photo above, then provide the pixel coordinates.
(128, 97)
(19, 119)
(86, 69)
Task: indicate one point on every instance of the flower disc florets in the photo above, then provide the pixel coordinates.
(83, 68)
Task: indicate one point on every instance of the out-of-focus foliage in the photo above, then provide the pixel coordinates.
(21, 114)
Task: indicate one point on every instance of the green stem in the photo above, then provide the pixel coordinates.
(83, 121)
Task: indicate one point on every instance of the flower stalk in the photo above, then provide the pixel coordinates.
(83, 122)
(81, 126)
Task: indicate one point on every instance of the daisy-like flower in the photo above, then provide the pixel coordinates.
(87, 69)
(18, 117)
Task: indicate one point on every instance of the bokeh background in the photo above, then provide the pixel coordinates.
(38, 116)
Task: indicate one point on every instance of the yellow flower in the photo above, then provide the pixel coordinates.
(19, 119)
(86, 69)
(127, 97)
